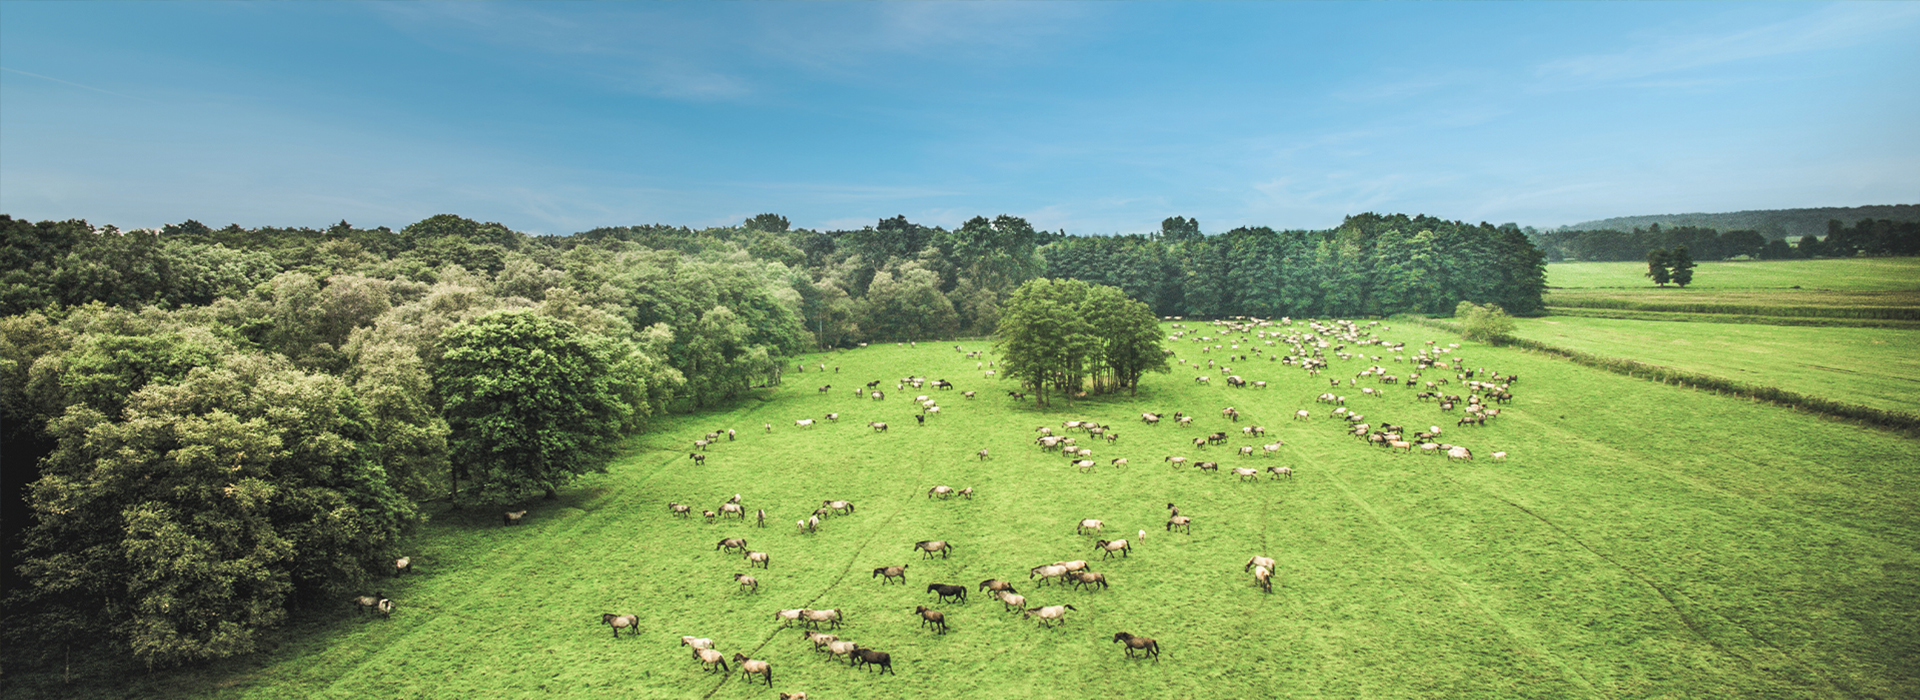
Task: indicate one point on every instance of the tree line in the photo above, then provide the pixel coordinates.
(208, 426)
(1771, 223)
(1878, 237)
(1371, 265)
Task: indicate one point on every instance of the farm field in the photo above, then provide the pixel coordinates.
(1854, 288)
(1868, 366)
(1838, 274)
(1642, 540)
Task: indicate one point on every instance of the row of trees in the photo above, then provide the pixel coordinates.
(1865, 237)
(1618, 246)
(1370, 265)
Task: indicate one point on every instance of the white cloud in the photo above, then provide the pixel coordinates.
(1831, 27)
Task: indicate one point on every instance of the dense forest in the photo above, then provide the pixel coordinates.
(211, 425)
(1370, 265)
(1864, 237)
(1770, 223)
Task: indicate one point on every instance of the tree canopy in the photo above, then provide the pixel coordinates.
(531, 401)
(1070, 338)
(189, 520)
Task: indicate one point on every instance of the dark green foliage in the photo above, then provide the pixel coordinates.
(1372, 264)
(189, 522)
(1772, 223)
(772, 223)
(1180, 230)
(1069, 337)
(1866, 237)
(1659, 266)
(1680, 261)
(531, 402)
(906, 304)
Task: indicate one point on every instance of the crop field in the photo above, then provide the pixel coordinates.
(1837, 274)
(1886, 289)
(1867, 366)
(1642, 540)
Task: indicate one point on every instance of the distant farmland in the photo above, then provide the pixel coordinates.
(1642, 540)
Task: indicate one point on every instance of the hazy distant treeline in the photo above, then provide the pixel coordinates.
(1865, 237)
(1771, 223)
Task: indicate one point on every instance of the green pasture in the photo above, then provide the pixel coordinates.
(1852, 289)
(1867, 366)
(1837, 274)
(1641, 541)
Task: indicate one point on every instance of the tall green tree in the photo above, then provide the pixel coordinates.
(906, 304)
(1126, 336)
(1043, 339)
(1680, 260)
(531, 403)
(1175, 229)
(1658, 267)
(772, 223)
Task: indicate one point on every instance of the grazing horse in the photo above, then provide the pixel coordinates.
(368, 602)
(631, 623)
(1146, 646)
(958, 593)
(753, 666)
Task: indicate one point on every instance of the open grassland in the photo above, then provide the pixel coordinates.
(1871, 367)
(1838, 274)
(1642, 541)
(1852, 289)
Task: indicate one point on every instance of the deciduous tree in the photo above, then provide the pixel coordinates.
(531, 402)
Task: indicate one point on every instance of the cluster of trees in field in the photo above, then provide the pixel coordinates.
(1073, 338)
(209, 424)
(1865, 237)
(1674, 266)
(1370, 265)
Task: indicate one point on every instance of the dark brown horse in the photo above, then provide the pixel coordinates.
(1144, 645)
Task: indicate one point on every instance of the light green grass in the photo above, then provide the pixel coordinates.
(1861, 289)
(1675, 316)
(1642, 541)
(1848, 274)
(1868, 366)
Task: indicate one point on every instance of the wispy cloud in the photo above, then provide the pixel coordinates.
(627, 48)
(74, 84)
(1828, 28)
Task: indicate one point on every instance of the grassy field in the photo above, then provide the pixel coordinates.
(1642, 541)
(1867, 366)
(1865, 288)
(1848, 274)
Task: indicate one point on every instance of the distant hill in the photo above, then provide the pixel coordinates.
(1772, 223)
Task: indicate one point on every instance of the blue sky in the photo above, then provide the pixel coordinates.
(1091, 117)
